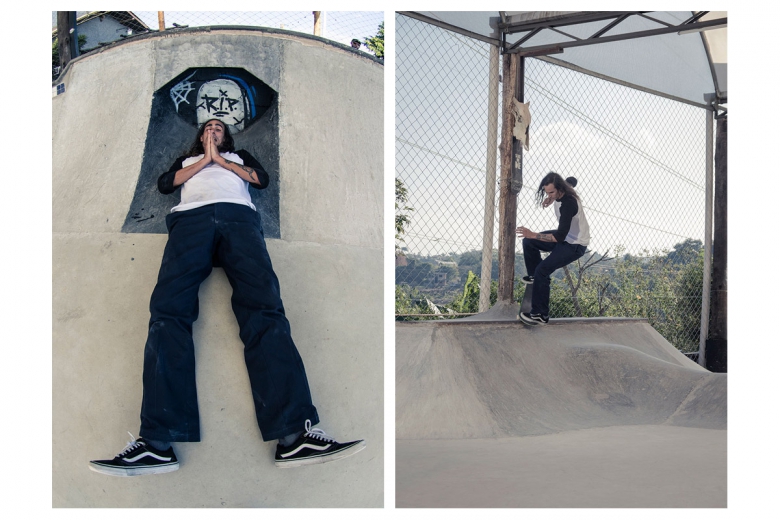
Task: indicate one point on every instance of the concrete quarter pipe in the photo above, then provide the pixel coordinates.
(324, 221)
(577, 413)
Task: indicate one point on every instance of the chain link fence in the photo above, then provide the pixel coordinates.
(442, 100)
(640, 164)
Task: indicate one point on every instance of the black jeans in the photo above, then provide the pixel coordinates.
(561, 254)
(231, 236)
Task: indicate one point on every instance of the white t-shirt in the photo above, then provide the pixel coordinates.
(213, 184)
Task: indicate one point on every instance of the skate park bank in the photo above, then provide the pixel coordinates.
(576, 413)
(119, 120)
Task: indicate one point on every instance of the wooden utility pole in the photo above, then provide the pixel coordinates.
(715, 355)
(161, 20)
(317, 23)
(507, 212)
(517, 144)
(67, 38)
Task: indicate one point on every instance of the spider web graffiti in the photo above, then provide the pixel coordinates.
(180, 91)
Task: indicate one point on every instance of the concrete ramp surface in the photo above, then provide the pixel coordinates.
(480, 404)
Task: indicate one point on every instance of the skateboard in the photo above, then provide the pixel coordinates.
(525, 306)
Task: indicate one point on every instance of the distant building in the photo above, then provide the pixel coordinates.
(104, 27)
(447, 264)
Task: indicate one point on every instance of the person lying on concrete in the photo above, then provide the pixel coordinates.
(216, 224)
(565, 244)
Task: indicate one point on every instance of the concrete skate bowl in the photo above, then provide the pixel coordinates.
(577, 413)
(122, 116)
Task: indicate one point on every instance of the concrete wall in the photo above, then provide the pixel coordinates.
(329, 262)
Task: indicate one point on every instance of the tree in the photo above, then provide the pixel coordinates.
(402, 219)
(468, 302)
(376, 44)
(685, 252)
(687, 311)
(581, 269)
(470, 297)
(55, 53)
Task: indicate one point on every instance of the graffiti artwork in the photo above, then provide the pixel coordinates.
(237, 98)
(232, 95)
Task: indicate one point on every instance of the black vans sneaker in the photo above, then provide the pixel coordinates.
(533, 319)
(314, 446)
(138, 458)
(527, 279)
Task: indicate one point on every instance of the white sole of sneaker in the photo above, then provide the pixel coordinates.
(529, 321)
(323, 459)
(133, 472)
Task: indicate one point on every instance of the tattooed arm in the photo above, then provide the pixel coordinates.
(527, 233)
(245, 172)
(251, 171)
(545, 237)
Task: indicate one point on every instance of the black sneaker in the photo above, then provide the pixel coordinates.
(138, 458)
(533, 319)
(527, 279)
(314, 446)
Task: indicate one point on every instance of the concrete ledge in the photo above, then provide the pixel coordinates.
(170, 33)
(508, 312)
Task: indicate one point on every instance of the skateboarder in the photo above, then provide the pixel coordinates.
(217, 224)
(565, 244)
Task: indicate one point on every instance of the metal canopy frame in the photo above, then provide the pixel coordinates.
(614, 18)
(503, 25)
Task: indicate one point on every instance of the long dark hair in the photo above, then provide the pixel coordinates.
(565, 186)
(226, 146)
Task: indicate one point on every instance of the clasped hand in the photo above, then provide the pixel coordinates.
(210, 150)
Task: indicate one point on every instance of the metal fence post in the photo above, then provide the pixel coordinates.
(490, 182)
(718, 325)
(705, 288)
